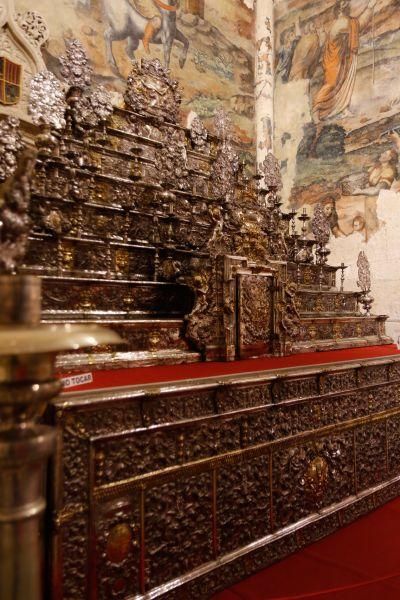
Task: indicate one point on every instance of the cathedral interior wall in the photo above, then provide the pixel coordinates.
(218, 70)
(347, 156)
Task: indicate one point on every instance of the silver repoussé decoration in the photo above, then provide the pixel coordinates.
(226, 165)
(198, 134)
(76, 69)
(47, 100)
(320, 226)
(364, 272)
(101, 101)
(223, 125)
(271, 170)
(322, 232)
(150, 89)
(10, 146)
(94, 108)
(364, 282)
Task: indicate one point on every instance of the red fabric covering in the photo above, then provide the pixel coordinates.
(359, 562)
(143, 375)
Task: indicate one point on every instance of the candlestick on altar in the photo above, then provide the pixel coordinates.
(343, 267)
(304, 218)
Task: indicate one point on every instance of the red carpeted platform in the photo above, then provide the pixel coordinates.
(143, 375)
(359, 562)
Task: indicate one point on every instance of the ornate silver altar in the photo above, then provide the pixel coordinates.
(161, 233)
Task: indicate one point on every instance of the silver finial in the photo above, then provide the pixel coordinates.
(47, 100)
(76, 69)
(271, 170)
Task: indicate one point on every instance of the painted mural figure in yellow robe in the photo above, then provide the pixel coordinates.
(149, 9)
(340, 61)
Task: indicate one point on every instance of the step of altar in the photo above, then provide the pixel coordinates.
(309, 275)
(147, 342)
(70, 363)
(338, 332)
(68, 298)
(327, 302)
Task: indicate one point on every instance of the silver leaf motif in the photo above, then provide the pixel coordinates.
(224, 171)
(223, 125)
(93, 108)
(101, 102)
(364, 272)
(320, 226)
(47, 100)
(76, 69)
(198, 135)
(271, 170)
(171, 161)
(10, 146)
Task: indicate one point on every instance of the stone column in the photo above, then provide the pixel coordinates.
(264, 77)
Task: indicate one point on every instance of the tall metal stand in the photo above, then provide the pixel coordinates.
(27, 383)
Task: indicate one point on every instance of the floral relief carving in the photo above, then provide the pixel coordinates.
(34, 27)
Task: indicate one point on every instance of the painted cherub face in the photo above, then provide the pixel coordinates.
(358, 224)
(391, 156)
(328, 209)
(385, 156)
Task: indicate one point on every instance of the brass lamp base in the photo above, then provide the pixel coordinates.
(27, 383)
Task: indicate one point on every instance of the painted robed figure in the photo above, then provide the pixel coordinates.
(340, 60)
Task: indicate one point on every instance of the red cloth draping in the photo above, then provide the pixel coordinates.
(143, 375)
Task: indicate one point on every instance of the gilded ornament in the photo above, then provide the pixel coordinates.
(308, 276)
(319, 304)
(316, 478)
(312, 332)
(68, 257)
(337, 331)
(119, 543)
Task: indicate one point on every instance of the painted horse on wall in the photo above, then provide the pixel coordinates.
(125, 22)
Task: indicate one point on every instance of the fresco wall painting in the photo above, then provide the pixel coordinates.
(210, 55)
(338, 92)
(264, 79)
